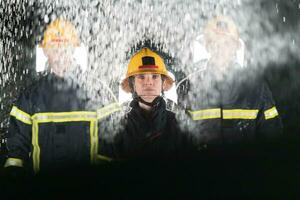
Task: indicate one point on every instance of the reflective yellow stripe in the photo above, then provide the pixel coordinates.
(206, 114)
(107, 110)
(64, 116)
(102, 113)
(271, 113)
(20, 115)
(13, 162)
(240, 114)
(101, 157)
(75, 116)
(227, 114)
(94, 141)
(36, 148)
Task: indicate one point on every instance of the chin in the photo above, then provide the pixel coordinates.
(148, 99)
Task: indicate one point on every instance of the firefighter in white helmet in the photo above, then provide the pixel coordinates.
(150, 129)
(221, 40)
(222, 104)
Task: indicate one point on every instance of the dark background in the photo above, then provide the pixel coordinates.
(254, 170)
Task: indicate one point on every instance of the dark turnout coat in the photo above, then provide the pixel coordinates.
(50, 126)
(153, 134)
(229, 109)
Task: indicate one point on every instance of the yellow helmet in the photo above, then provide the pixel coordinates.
(60, 33)
(221, 26)
(145, 62)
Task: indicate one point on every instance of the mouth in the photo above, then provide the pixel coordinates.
(149, 90)
(149, 93)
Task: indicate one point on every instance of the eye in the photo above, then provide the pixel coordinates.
(155, 76)
(141, 76)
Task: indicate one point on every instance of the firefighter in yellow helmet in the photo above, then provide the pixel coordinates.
(148, 70)
(224, 107)
(150, 130)
(59, 43)
(50, 126)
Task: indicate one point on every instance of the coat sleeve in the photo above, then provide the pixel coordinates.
(19, 133)
(109, 126)
(269, 123)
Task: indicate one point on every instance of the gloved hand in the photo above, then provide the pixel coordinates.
(13, 182)
(13, 173)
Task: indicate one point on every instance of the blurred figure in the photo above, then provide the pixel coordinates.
(50, 127)
(150, 130)
(224, 102)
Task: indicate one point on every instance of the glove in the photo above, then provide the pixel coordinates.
(13, 173)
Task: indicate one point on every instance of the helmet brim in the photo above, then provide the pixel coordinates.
(168, 83)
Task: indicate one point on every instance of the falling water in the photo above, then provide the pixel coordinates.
(109, 29)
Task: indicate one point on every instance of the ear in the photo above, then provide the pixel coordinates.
(239, 44)
(46, 52)
(164, 85)
(133, 88)
(131, 84)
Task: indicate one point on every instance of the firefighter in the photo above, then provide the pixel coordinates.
(150, 129)
(223, 106)
(50, 125)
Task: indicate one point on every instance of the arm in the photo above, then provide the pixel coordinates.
(269, 122)
(19, 134)
(109, 118)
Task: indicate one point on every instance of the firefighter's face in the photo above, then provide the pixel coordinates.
(148, 86)
(59, 58)
(222, 48)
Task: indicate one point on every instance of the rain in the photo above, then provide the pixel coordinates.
(108, 29)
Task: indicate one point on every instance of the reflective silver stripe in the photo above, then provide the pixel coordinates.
(206, 114)
(64, 116)
(271, 113)
(107, 110)
(240, 114)
(20, 115)
(13, 162)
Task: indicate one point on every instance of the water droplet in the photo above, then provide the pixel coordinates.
(46, 19)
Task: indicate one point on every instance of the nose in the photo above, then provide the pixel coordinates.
(148, 80)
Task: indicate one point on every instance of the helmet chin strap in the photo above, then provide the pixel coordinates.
(140, 99)
(151, 104)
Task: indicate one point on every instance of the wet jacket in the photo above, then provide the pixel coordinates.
(229, 109)
(51, 128)
(153, 134)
